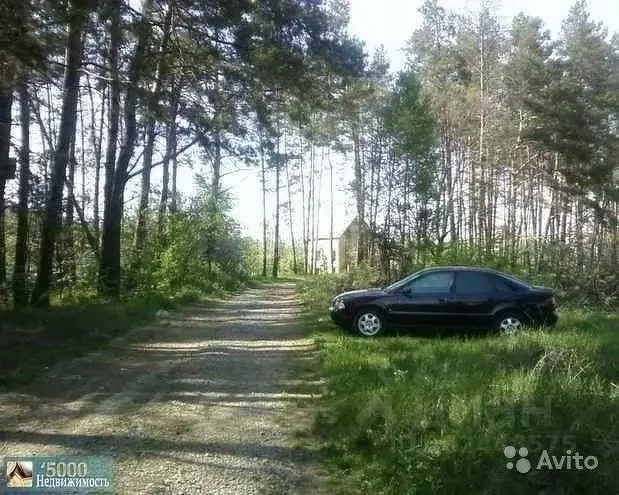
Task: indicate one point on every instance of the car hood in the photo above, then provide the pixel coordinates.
(542, 290)
(361, 293)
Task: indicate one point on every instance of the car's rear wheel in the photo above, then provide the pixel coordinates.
(510, 323)
(369, 323)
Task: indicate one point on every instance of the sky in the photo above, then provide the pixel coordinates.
(389, 23)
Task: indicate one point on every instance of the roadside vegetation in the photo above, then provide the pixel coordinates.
(174, 271)
(404, 414)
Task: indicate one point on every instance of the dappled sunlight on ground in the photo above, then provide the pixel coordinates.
(203, 392)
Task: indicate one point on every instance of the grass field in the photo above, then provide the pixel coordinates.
(420, 415)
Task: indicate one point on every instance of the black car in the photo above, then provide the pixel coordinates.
(456, 299)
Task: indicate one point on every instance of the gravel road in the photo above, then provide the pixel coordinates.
(210, 400)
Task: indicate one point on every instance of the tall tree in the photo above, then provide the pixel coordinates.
(161, 79)
(6, 172)
(277, 164)
(577, 105)
(77, 14)
(110, 269)
(20, 295)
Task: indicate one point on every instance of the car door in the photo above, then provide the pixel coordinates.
(424, 301)
(473, 298)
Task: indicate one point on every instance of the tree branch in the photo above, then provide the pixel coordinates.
(90, 237)
(167, 157)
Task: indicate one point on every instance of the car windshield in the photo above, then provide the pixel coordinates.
(401, 283)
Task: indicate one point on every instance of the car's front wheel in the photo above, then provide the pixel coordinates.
(369, 323)
(510, 324)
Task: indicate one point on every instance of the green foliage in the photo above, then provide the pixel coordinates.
(201, 249)
(410, 122)
(252, 257)
(408, 117)
(575, 103)
(318, 290)
(18, 43)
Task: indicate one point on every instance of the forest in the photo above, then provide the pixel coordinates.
(496, 145)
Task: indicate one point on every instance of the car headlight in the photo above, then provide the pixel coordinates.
(339, 305)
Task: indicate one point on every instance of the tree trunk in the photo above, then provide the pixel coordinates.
(290, 215)
(481, 209)
(216, 181)
(311, 208)
(174, 191)
(49, 232)
(6, 103)
(142, 216)
(110, 268)
(359, 192)
(317, 219)
(20, 294)
(304, 212)
(264, 208)
(173, 145)
(275, 271)
(331, 251)
(149, 148)
(96, 141)
(69, 244)
(170, 154)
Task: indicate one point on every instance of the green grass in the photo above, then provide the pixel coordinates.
(412, 415)
(35, 339)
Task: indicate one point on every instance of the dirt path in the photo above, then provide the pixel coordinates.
(207, 401)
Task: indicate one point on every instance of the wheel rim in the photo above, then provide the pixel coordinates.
(510, 325)
(368, 324)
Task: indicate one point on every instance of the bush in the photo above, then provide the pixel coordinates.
(318, 290)
(200, 248)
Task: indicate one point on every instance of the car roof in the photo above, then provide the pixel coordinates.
(461, 268)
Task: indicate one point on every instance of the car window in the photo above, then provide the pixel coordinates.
(520, 284)
(439, 282)
(504, 285)
(474, 283)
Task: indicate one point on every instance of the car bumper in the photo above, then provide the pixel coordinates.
(340, 318)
